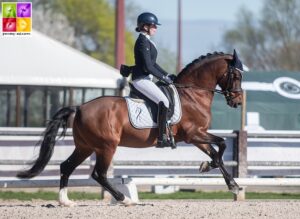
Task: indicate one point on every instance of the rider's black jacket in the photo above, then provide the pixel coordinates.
(145, 55)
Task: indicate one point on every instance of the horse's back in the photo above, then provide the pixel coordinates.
(108, 105)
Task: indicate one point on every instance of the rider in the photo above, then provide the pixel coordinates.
(145, 54)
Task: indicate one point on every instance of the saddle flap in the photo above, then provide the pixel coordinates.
(143, 113)
(153, 108)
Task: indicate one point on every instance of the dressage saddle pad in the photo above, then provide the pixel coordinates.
(141, 118)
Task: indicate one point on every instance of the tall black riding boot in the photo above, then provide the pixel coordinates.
(162, 126)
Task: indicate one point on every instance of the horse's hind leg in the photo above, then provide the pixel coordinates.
(66, 169)
(103, 159)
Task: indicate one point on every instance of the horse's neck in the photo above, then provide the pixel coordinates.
(199, 88)
(199, 79)
(196, 96)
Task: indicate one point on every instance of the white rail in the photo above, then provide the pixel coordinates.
(14, 183)
(217, 181)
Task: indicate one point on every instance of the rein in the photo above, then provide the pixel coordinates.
(226, 92)
(200, 88)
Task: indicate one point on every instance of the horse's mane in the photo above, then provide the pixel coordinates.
(202, 60)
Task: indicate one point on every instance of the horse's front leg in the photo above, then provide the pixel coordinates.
(207, 166)
(203, 142)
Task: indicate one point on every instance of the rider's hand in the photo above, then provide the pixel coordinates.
(167, 80)
(172, 77)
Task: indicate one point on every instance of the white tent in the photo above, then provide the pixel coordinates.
(40, 60)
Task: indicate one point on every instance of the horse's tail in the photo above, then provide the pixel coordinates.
(48, 141)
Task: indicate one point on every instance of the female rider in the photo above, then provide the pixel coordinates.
(145, 54)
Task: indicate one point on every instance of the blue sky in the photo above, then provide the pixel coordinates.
(199, 9)
(204, 22)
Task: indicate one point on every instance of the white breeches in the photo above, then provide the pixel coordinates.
(150, 90)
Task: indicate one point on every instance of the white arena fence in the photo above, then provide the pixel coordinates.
(264, 154)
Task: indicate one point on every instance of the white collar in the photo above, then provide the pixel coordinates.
(149, 38)
(146, 35)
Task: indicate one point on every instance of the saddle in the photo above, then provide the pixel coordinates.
(151, 106)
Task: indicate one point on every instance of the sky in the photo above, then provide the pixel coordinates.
(203, 23)
(199, 9)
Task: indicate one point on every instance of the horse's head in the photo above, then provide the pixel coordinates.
(214, 69)
(231, 81)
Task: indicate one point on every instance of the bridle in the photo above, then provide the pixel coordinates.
(229, 76)
(227, 91)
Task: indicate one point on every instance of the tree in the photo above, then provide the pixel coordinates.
(86, 25)
(271, 42)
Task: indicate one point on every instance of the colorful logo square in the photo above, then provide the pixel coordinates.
(9, 24)
(8, 10)
(24, 9)
(23, 24)
(16, 18)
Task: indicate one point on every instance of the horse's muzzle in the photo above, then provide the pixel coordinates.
(234, 99)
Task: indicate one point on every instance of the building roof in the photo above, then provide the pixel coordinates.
(40, 60)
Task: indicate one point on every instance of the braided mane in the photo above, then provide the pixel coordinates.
(200, 61)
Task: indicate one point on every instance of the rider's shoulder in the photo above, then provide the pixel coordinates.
(142, 40)
(142, 37)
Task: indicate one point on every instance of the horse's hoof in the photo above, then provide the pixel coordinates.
(67, 203)
(128, 202)
(235, 190)
(204, 167)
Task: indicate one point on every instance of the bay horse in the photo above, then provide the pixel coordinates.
(102, 124)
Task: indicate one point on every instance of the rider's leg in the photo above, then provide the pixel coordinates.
(150, 90)
(162, 125)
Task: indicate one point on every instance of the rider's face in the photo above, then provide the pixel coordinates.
(152, 29)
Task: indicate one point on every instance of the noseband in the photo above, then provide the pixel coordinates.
(228, 91)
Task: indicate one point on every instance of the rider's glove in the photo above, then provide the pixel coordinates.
(172, 77)
(167, 80)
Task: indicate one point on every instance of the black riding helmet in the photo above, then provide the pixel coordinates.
(146, 18)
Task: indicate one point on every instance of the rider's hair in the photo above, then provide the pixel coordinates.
(141, 28)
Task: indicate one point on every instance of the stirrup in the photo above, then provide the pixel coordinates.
(166, 142)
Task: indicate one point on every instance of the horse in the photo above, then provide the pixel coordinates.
(102, 124)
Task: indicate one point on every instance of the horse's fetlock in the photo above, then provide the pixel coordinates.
(214, 164)
(94, 175)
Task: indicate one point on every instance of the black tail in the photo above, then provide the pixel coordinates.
(48, 142)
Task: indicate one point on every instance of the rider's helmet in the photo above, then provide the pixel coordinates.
(146, 18)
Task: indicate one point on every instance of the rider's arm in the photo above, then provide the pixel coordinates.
(148, 65)
(160, 69)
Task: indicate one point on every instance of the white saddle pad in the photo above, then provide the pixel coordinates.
(140, 117)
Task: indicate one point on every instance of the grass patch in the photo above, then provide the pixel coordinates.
(186, 195)
(47, 195)
(145, 195)
(217, 195)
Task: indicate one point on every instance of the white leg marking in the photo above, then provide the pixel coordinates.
(128, 202)
(63, 198)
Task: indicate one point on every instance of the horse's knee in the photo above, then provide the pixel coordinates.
(95, 175)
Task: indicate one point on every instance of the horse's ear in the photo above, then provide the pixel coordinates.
(236, 62)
